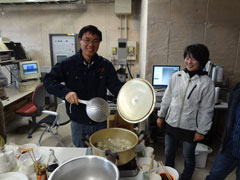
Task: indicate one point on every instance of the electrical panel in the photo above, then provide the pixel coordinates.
(122, 51)
(62, 46)
(130, 51)
(114, 50)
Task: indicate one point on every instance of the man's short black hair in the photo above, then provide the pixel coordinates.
(199, 52)
(92, 30)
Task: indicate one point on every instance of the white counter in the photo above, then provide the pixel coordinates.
(62, 154)
(66, 153)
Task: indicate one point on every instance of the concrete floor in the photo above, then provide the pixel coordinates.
(199, 173)
(17, 134)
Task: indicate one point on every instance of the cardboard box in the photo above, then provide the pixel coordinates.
(115, 120)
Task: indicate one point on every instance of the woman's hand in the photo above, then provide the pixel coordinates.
(72, 98)
(198, 137)
(160, 122)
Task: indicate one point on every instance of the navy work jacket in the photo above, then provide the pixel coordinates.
(233, 102)
(87, 80)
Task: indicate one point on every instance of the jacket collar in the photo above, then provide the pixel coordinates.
(192, 73)
(82, 61)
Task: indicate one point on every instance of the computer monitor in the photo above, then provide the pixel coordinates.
(29, 70)
(162, 73)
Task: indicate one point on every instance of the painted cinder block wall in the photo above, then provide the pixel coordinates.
(162, 29)
(174, 24)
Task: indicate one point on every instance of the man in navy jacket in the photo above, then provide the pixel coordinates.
(85, 75)
(229, 156)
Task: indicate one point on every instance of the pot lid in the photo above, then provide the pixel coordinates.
(136, 100)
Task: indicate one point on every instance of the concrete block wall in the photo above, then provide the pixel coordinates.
(32, 24)
(164, 27)
(174, 24)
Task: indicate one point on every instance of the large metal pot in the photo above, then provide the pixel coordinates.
(113, 133)
(86, 168)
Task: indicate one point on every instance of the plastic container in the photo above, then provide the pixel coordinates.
(201, 154)
(173, 172)
(143, 164)
(219, 77)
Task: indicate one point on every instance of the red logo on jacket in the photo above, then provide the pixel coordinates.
(101, 70)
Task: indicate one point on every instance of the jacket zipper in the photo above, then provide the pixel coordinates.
(183, 103)
(196, 120)
(168, 114)
(191, 91)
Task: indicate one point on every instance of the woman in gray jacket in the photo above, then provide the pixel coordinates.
(187, 108)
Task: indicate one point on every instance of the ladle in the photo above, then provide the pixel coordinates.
(97, 109)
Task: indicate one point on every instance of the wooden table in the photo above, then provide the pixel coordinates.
(8, 107)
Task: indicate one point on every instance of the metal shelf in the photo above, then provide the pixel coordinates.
(19, 2)
(9, 62)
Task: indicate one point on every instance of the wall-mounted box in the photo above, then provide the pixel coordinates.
(131, 50)
(123, 7)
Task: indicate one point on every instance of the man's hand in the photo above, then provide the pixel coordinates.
(198, 137)
(160, 122)
(72, 98)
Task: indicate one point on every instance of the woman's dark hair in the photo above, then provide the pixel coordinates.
(199, 52)
(92, 30)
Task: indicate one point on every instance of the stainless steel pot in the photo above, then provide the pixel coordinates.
(86, 168)
(113, 133)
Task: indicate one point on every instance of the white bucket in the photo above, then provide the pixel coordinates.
(201, 154)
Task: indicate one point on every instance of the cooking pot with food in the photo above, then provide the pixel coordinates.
(118, 140)
(135, 103)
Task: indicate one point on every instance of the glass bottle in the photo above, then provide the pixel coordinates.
(52, 163)
(41, 171)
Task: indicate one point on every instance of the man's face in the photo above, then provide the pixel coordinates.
(89, 45)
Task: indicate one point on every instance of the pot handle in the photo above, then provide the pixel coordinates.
(112, 156)
(142, 136)
(87, 143)
(86, 140)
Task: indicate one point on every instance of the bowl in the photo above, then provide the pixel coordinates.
(155, 176)
(173, 172)
(143, 164)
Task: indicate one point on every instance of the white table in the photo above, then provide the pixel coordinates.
(66, 153)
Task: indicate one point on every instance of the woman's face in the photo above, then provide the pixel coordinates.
(191, 63)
